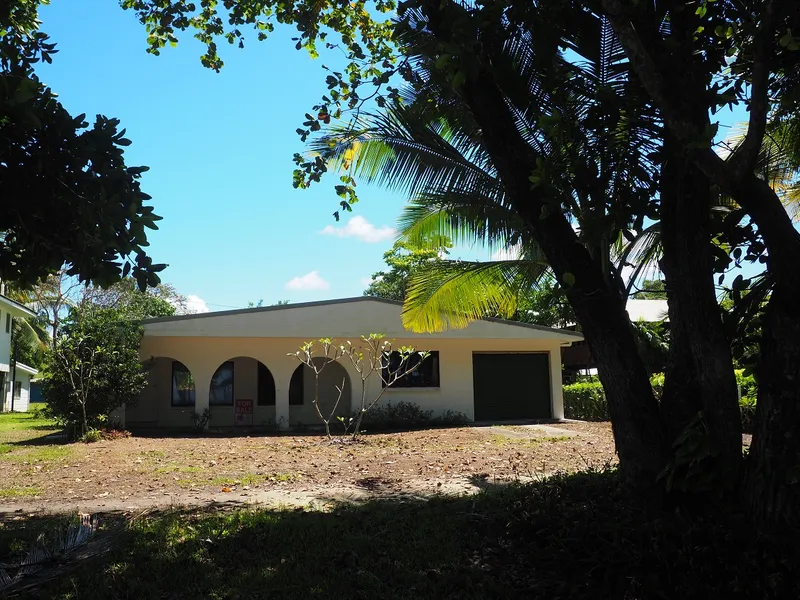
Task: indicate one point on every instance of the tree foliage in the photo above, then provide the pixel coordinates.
(599, 114)
(402, 262)
(94, 367)
(69, 197)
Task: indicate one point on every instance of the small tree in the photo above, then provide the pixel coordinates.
(94, 367)
(330, 354)
(373, 357)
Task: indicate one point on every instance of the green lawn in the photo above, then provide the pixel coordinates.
(30, 420)
(18, 431)
(577, 536)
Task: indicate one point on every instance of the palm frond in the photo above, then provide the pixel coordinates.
(452, 294)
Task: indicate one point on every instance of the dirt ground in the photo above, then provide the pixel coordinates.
(38, 475)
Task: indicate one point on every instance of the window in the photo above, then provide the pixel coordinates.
(266, 386)
(424, 372)
(17, 390)
(183, 393)
(296, 386)
(221, 390)
(8, 322)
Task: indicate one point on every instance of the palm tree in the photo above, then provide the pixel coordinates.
(443, 165)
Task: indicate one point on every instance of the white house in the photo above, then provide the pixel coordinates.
(235, 363)
(18, 398)
(14, 379)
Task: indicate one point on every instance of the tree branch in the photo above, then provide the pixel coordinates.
(737, 177)
(745, 157)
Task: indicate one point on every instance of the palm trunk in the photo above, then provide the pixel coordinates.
(699, 374)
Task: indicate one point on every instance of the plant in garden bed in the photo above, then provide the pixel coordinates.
(372, 358)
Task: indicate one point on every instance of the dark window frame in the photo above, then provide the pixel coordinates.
(211, 399)
(297, 387)
(416, 378)
(265, 386)
(8, 322)
(173, 387)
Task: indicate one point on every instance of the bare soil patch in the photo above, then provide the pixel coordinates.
(150, 471)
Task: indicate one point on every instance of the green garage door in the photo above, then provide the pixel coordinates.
(511, 386)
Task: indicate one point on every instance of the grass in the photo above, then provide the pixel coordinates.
(249, 479)
(178, 469)
(37, 454)
(503, 440)
(5, 448)
(579, 536)
(27, 420)
(19, 492)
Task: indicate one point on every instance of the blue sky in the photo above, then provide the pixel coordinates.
(219, 147)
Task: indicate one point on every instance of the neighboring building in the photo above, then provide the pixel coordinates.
(10, 310)
(21, 391)
(577, 359)
(231, 361)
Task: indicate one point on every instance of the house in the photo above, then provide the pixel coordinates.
(14, 377)
(236, 364)
(578, 360)
(18, 399)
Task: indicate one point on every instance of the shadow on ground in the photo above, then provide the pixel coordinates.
(579, 536)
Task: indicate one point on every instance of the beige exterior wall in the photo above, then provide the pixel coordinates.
(202, 356)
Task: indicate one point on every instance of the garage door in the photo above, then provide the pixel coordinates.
(511, 386)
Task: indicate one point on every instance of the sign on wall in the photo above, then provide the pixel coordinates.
(243, 413)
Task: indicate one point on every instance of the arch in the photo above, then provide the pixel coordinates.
(221, 389)
(170, 385)
(301, 392)
(242, 392)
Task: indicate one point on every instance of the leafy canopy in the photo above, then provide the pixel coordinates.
(68, 196)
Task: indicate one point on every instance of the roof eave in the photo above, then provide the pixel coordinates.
(15, 308)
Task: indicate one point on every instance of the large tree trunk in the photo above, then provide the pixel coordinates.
(773, 482)
(599, 307)
(773, 478)
(699, 373)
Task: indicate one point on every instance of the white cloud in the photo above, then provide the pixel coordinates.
(309, 281)
(195, 304)
(366, 280)
(189, 305)
(359, 227)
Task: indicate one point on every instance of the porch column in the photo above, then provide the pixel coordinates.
(556, 387)
(201, 394)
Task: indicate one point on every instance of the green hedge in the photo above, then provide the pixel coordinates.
(586, 400)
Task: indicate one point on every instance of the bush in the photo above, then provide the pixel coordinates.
(94, 368)
(114, 434)
(408, 415)
(585, 401)
(91, 436)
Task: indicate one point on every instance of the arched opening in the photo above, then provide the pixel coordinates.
(170, 386)
(301, 393)
(242, 392)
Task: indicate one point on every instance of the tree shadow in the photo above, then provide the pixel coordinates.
(56, 438)
(579, 536)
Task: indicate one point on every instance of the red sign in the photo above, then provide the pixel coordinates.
(243, 412)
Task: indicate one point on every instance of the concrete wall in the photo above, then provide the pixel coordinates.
(202, 356)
